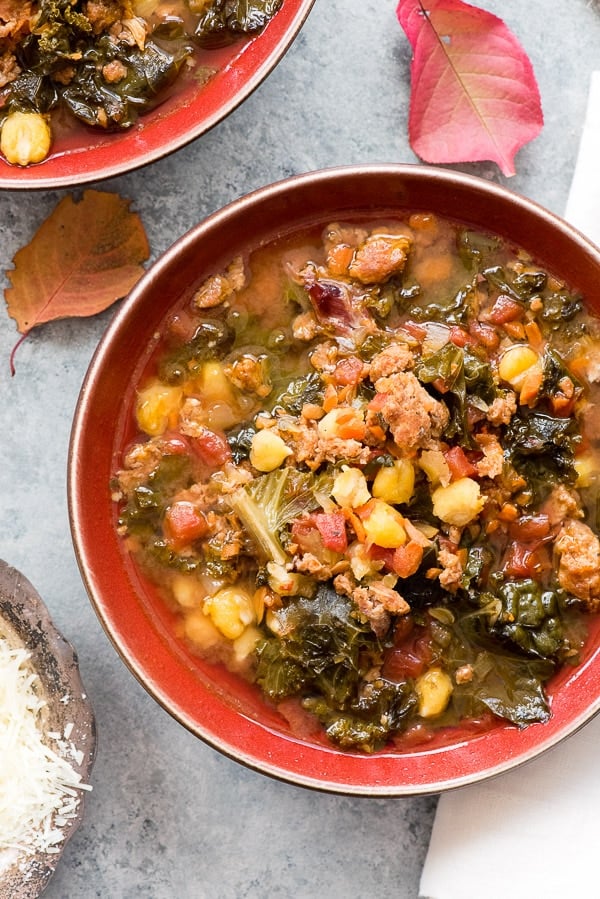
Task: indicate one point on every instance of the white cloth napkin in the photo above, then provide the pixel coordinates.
(531, 833)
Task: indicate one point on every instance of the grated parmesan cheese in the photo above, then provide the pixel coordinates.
(39, 789)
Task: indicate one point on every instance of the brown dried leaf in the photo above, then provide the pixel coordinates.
(84, 257)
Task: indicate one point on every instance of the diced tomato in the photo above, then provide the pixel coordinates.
(184, 523)
(407, 558)
(410, 657)
(306, 534)
(530, 528)
(415, 330)
(175, 444)
(459, 465)
(486, 335)
(381, 554)
(332, 528)
(460, 337)
(527, 560)
(211, 448)
(505, 310)
(348, 371)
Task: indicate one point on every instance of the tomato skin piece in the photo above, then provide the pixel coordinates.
(332, 528)
(505, 310)
(530, 527)
(410, 657)
(459, 465)
(307, 536)
(348, 371)
(211, 448)
(183, 524)
(175, 444)
(459, 337)
(527, 560)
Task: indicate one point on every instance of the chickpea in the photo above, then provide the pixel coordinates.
(25, 138)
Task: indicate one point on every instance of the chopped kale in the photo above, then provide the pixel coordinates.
(542, 449)
(463, 375)
(240, 441)
(381, 710)
(224, 20)
(560, 307)
(307, 389)
(146, 505)
(212, 339)
(474, 248)
(455, 310)
(530, 617)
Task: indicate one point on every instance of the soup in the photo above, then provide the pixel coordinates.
(103, 63)
(365, 478)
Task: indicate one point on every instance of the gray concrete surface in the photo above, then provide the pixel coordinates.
(170, 818)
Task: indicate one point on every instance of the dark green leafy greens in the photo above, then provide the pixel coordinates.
(67, 44)
(465, 376)
(324, 651)
(541, 447)
(224, 20)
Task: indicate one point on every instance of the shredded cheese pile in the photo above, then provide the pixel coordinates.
(39, 789)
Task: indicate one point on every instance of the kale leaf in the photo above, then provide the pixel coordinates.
(145, 507)
(224, 20)
(321, 645)
(464, 376)
(541, 448)
(381, 710)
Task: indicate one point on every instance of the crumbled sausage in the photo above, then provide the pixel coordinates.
(452, 569)
(104, 13)
(248, 373)
(394, 358)
(413, 416)
(380, 257)
(493, 456)
(9, 68)
(308, 563)
(15, 19)
(578, 551)
(377, 602)
(114, 71)
(217, 288)
(140, 461)
(502, 409)
(562, 503)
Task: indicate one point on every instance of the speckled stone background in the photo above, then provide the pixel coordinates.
(170, 818)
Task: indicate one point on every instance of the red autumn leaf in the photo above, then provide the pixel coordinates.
(473, 90)
(84, 257)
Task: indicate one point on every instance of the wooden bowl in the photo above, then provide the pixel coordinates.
(26, 624)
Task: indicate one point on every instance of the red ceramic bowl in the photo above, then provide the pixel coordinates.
(90, 155)
(211, 703)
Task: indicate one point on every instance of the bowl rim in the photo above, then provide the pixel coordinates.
(312, 768)
(154, 137)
